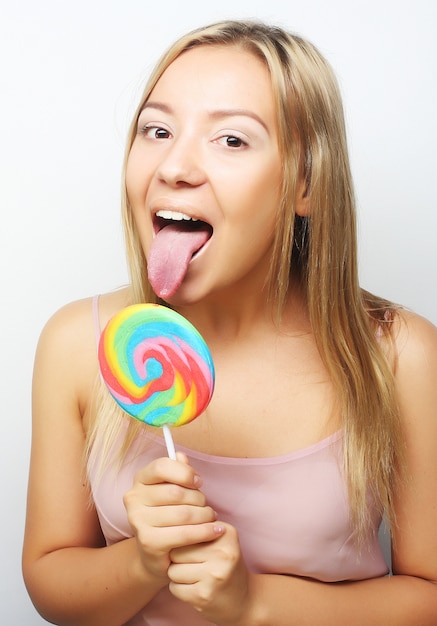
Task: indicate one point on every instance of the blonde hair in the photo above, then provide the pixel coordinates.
(349, 324)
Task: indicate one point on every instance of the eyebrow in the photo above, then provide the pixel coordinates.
(215, 114)
(219, 113)
(156, 105)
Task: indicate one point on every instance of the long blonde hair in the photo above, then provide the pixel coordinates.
(350, 326)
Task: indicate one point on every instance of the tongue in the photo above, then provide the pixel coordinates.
(170, 255)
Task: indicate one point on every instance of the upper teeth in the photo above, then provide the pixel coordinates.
(174, 215)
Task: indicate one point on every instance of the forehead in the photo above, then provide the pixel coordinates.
(227, 74)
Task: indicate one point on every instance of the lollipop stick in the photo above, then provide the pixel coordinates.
(169, 442)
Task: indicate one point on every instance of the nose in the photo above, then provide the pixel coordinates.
(182, 164)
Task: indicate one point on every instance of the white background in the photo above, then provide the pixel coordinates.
(70, 76)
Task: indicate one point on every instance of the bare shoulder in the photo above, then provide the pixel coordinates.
(416, 348)
(110, 303)
(74, 322)
(66, 356)
(415, 374)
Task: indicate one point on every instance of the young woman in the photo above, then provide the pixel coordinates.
(239, 214)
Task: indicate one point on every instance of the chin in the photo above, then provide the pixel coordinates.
(183, 297)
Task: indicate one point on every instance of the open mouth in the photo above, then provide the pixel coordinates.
(180, 221)
(178, 239)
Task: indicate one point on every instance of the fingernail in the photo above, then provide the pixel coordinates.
(219, 529)
(197, 480)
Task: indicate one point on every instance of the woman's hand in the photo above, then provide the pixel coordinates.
(212, 577)
(166, 511)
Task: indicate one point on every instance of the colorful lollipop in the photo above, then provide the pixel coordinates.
(156, 366)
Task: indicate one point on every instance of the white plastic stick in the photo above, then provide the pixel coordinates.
(169, 442)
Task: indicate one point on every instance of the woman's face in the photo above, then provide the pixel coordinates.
(207, 149)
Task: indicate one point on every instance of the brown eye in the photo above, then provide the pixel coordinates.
(152, 131)
(234, 142)
(161, 133)
(231, 141)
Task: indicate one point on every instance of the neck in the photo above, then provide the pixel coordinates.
(239, 314)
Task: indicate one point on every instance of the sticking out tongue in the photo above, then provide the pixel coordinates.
(170, 255)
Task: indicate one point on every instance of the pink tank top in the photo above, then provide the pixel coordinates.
(291, 513)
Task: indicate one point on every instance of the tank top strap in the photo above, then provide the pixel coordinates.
(96, 320)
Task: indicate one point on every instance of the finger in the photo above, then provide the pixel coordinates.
(199, 551)
(223, 544)
(164, 494)
(180, 515)
(165, 470)
(182, 458)
(192, 553)
(169, 538)
(185, 573)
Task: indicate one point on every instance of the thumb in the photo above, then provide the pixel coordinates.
(182, 458)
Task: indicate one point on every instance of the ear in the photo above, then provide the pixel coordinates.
(302, 206)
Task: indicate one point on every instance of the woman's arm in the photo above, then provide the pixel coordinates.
(72, 577)
(218, 584)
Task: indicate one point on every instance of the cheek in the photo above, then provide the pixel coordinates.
(132, 178)
(138, 174)
(264, 200)
(136, 189)
(252, 193)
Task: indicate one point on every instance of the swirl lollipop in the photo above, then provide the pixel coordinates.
(156, 366)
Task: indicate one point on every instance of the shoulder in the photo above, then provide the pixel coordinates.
(416, 348)
(74, 322)
(67, 329)
(110, 303)
(66, 356)
(65, 359)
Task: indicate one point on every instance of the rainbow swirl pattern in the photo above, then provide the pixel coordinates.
(156, 365)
